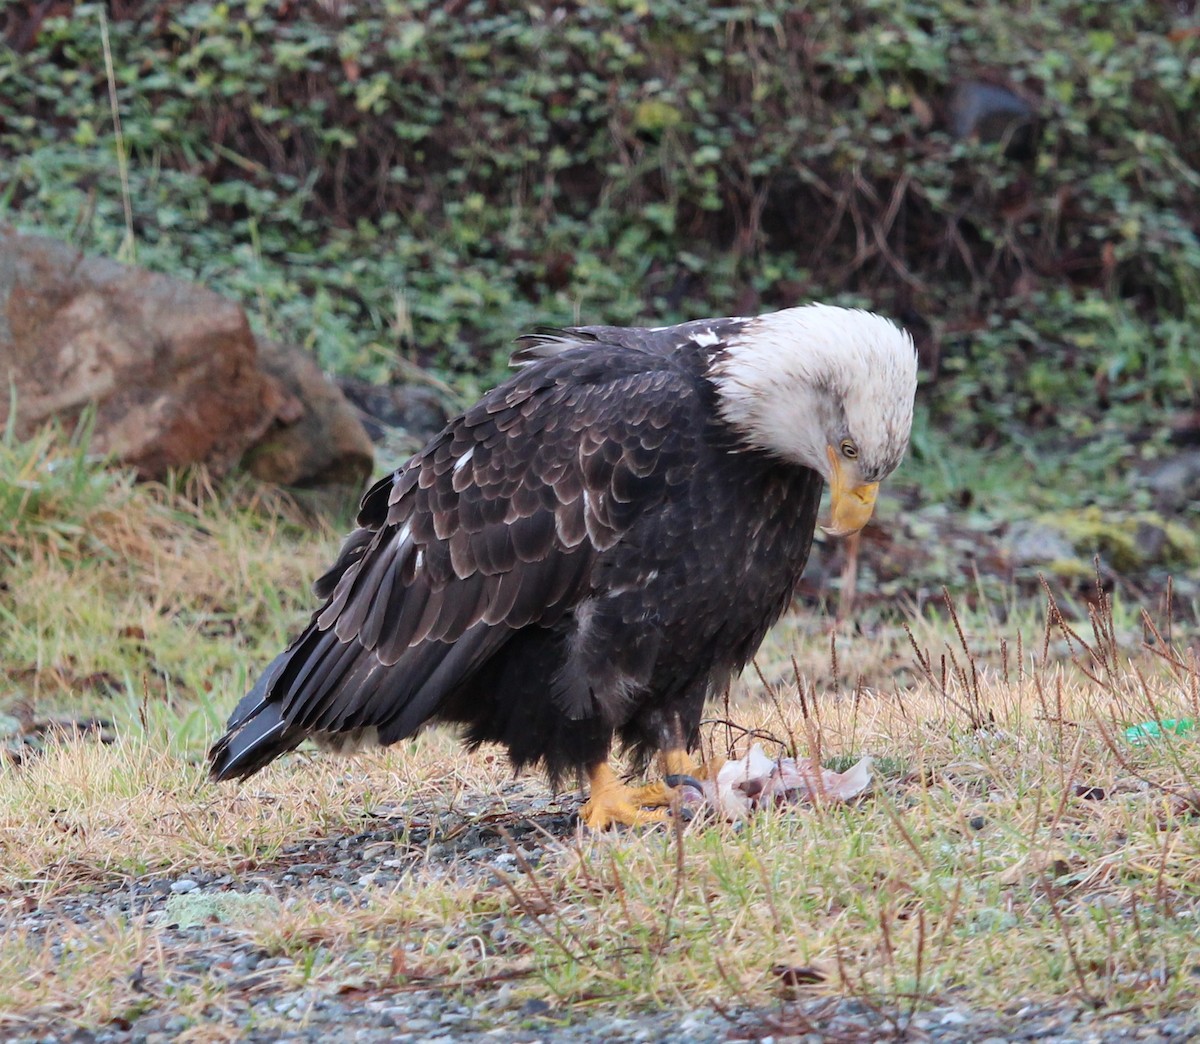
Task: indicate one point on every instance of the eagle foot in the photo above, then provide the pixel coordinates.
(658, 794)
(678, 768)
(611, 801)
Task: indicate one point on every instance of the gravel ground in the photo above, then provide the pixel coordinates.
(344, 870)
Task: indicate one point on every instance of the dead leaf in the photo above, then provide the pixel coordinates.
(1041, 863)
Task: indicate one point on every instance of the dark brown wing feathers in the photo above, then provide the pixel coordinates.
(495, 525)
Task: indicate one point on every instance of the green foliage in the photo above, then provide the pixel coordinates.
(1084, 363)
(50, 485)
(410, 175)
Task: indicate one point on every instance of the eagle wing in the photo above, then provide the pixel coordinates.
(496, 525)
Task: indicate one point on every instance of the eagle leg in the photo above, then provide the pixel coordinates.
(678, 762)
(674, 762)
(611, 801)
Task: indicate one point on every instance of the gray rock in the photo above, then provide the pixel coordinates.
(393, 1017)
(1037, 544)
(1150, 542)
(1173, 482)
(987, 112)
(416, 410)
(169, 366)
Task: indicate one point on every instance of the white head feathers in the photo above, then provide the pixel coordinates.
(798, 382)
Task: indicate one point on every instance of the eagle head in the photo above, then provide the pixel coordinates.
(828, 388)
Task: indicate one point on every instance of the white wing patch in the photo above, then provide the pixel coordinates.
(706, 339)
(464, 460)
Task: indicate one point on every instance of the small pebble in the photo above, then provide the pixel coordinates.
(378, 851)
(391, 1018)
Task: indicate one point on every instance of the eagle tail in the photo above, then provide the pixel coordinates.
(326, 688)
(256, 733)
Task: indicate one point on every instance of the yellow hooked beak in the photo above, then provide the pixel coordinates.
(851, 505)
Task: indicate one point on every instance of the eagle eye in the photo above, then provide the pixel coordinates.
(849, 449)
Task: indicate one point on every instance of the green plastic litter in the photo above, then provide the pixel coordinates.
(1153, 730)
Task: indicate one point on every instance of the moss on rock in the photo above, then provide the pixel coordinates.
(1130, 541)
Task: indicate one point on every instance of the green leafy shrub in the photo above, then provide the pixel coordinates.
(417, 176)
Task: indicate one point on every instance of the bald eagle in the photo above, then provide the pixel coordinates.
(593, 548)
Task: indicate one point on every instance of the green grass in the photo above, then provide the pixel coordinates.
(123, 597)
(982, 868)
(1014, 846)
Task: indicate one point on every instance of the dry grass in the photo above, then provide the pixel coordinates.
(118, 594)
(1034, 856)
(1015, 845)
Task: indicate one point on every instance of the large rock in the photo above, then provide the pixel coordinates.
(170, 367)
(172, 370)
(318, 441)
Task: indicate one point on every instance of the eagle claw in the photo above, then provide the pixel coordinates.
(601, 814)
(612, 801)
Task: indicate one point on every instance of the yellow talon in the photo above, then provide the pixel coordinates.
(611, 801)
(675, 762)
(653, 795)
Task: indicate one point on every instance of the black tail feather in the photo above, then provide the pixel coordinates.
(323, 686)
(255, 734)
